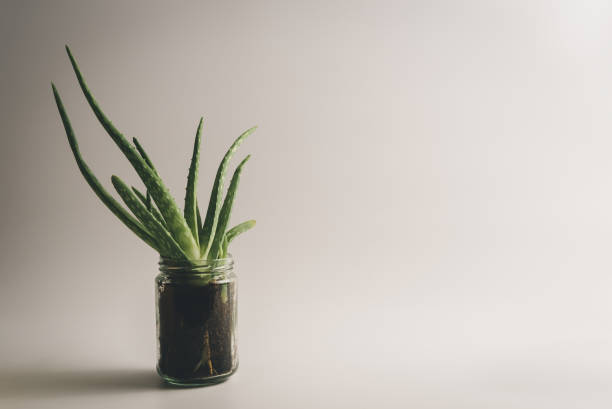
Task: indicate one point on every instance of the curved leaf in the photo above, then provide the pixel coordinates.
(226, 211)
(143, 154)
(235, 231)
(177, 225)
(146, 200)
(168, 247)
(212, 214)
(95, 185)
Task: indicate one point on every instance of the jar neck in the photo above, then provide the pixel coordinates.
(216, 266)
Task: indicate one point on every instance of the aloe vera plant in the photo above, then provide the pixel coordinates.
(154, 215)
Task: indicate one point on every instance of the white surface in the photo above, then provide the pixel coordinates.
(431, 181)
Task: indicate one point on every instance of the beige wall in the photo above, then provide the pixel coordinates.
(431, 181)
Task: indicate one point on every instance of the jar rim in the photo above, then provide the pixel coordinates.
(168, 265)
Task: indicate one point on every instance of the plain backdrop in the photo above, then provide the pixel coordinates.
(431, 182)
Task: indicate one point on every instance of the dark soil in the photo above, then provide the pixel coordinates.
(196, 330)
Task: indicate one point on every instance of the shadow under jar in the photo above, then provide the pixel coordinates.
(196, 321)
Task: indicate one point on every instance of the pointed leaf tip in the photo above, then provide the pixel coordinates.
(190, 209)
(214, 205)
(55, 92)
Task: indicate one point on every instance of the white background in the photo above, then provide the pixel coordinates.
(431, 181)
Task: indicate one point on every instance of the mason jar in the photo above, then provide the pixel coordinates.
(196, 321)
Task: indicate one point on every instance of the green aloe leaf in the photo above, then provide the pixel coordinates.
(226, 211)
(190, 212)
(235, 231)
(175, 221)
(146, 158)
(212, 214)
(198, 216)
(133, 224)
(168, 246)
(146, 200)
(143, 154)
(140, 196)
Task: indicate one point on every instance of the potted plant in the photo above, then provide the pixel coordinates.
(196, 286)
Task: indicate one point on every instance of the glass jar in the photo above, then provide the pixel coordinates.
(196, 321)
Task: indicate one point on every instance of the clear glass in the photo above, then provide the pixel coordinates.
(196, 321)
